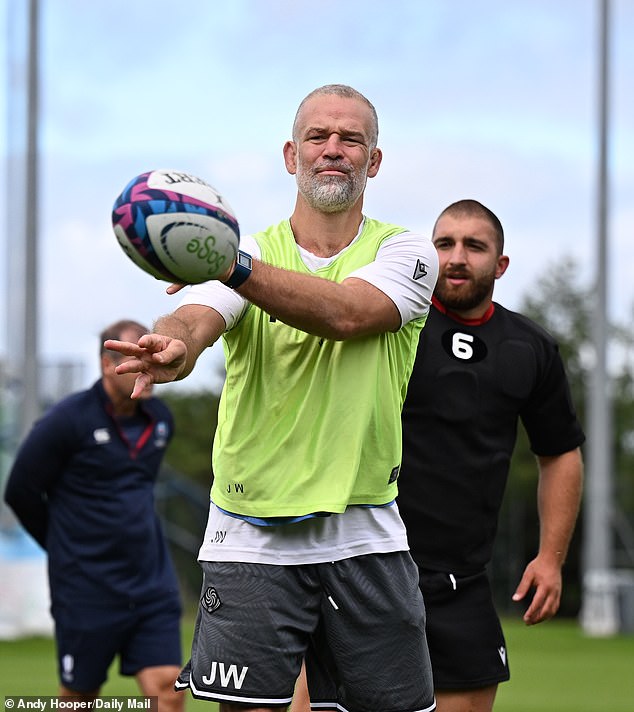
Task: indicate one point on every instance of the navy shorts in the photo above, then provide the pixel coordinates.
(359, 622)
(88, 639)
(464, 634)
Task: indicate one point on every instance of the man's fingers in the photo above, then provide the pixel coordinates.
(523, 587)
(143, 380)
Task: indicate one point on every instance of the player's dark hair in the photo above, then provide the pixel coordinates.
(347, 92)
(472, 208)
(114, 331)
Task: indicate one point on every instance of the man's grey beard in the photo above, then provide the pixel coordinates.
(330, 194)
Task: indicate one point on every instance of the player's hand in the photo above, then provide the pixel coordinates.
(156, 358)
(545, 578)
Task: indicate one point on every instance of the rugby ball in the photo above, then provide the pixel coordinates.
(176, 227)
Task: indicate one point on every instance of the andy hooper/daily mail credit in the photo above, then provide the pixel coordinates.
(70, 704)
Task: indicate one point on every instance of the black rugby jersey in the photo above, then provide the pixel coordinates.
(470, 384)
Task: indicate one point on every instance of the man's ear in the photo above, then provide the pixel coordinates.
(290, 157)
(502, 266)
(105, 361)
(376, 156)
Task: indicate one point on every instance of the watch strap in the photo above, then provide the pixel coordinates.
(241, 270)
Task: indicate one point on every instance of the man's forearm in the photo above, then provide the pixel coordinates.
(319, 306)
(559, 499)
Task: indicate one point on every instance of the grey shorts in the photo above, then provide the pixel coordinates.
(464, 633)
(359, 622)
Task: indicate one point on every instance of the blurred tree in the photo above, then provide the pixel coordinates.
(196, 417)
(564, 307)
(183, 494)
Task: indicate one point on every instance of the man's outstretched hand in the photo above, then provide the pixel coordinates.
(156, 358)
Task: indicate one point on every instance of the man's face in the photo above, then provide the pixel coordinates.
(469, 263)
(122, 384)
(332, 156)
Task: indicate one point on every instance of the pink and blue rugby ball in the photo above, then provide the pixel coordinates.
(176, 227)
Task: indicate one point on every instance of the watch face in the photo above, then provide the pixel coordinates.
(244, 260)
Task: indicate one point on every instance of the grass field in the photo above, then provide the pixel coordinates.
(554, 668)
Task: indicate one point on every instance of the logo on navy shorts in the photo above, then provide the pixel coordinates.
(68, 663)
(211, 600)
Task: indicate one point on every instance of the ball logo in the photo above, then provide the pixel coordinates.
(173, 178)
(202, 246)
(204, 250)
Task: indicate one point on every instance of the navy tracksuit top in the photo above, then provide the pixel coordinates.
(87, 496)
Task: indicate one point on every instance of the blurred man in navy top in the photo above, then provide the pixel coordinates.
(82, 485)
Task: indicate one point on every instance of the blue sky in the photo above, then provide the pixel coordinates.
(491, 100)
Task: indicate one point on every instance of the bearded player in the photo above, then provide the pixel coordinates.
(479, 369)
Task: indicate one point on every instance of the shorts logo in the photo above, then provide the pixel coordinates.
(68, 663)
(502, 654)
(227, 674)
(211, 600)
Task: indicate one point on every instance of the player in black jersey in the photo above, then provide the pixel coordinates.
(480, 368)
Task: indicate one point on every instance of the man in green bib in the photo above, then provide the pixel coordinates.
(305, 555)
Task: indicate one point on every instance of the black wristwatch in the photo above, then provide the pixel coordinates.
(241, 271)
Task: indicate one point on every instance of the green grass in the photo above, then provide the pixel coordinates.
(554, 668)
